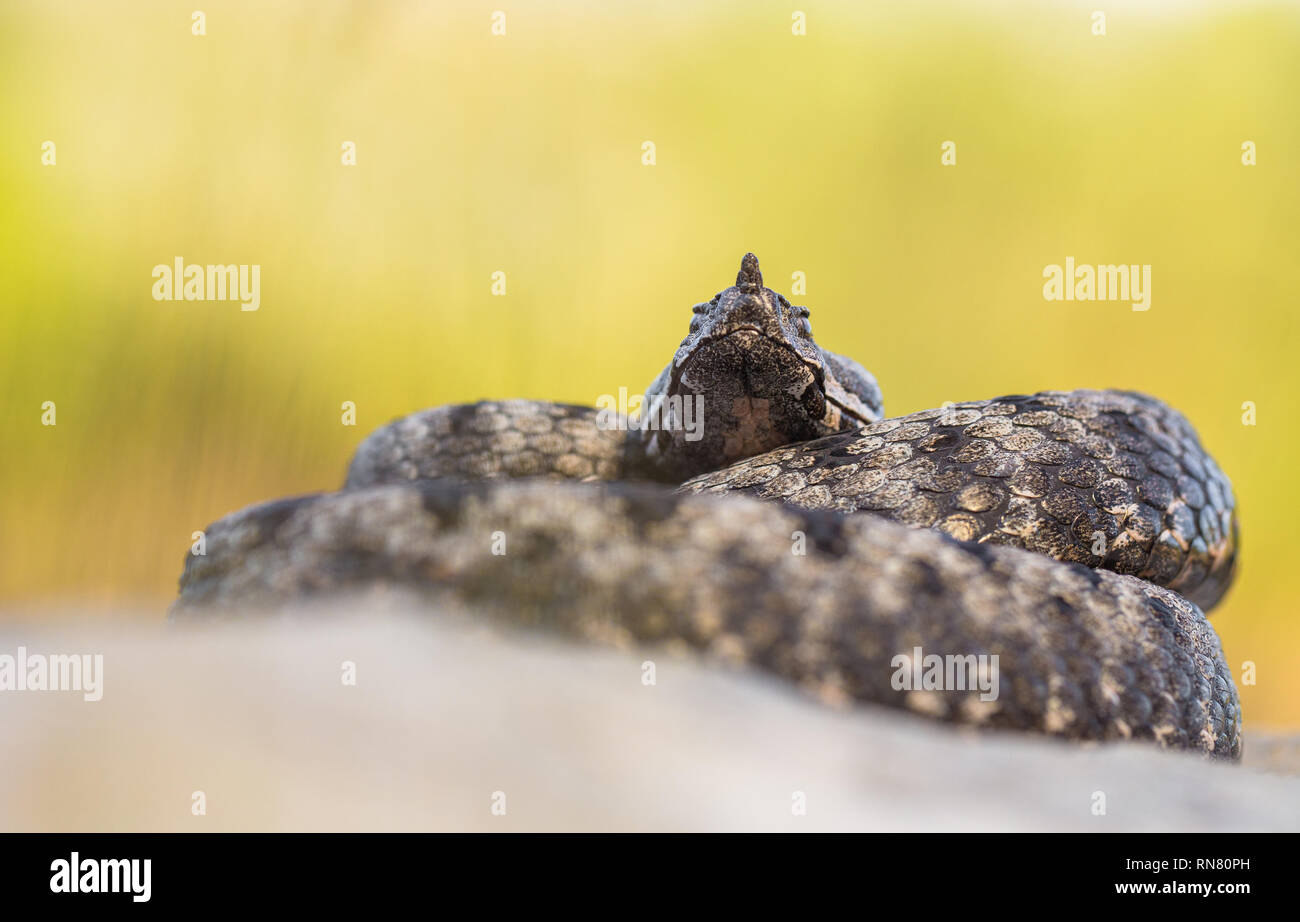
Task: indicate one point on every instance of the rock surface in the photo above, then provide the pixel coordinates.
(446, 712)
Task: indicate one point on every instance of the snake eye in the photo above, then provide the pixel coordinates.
(700, 308)
(802, 323)
(695, 324)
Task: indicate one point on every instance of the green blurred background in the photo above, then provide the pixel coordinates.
(522, 153)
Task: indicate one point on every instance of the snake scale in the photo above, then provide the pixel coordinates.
(1076, 536)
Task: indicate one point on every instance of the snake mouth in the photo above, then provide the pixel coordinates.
(758, 393)
(849, 412)
(746, 352)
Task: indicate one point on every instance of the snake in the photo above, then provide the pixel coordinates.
(763, 513)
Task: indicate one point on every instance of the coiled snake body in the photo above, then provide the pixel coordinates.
(1072, 535)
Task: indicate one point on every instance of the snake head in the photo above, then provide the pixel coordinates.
(750, 366)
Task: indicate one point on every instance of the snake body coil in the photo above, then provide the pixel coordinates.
(1071, 535)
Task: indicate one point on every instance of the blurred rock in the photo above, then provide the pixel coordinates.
(445, 713)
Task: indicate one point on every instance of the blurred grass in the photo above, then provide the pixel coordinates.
(522, 153)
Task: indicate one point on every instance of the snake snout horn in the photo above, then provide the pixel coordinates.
(749, 278)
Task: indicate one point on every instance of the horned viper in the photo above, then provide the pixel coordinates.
(1071, 539)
